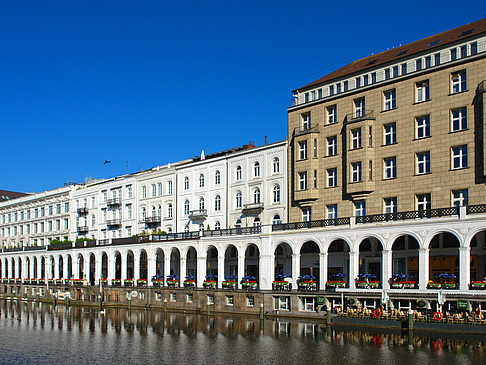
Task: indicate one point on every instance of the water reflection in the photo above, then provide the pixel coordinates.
(154, 336)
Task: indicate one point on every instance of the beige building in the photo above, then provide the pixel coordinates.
(401, 130)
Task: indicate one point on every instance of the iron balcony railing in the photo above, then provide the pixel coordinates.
(83, 229)
(310, 224)
(113, 201)
(232, 231)
(83, 211)
(303, 129)
(152, 220)
(357, 116)
(113, 222)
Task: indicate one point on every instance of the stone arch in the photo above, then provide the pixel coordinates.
(310, 259)
(338, 261)
(191, 261)
(283, 259)
(117, 261)
(444, 248)
(104, 265)
(175, 262)
(230, 260)
(130, 264)
(370, 257)
(19, 267)
(477, 245)
(405, 260)
(69, 273)
(252, 261)
(212, 254)
(159, 262)
(91, 269)
(143, 264)
(60, 266)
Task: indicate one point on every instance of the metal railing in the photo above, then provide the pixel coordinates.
(232, 231)
(113, 222)
(175, 236)
(303, 129)
(113, 201)
(357, 116)
(310, 224)
(83, 229)
(152, 220)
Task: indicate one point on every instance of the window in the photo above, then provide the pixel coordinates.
(453, 54)
(189, 298)
(306, 121)
(282, 303)
(359, 107)
(154, 191)
(458, 119)
(217, 178)
(186, 183)
(422, 91)
(332, 211)
(238, 223)
(331, 90)
(404, 68)
(460, 198)
(459, 157)
(129, 211)
(356, 138)
(217, 203)
(418, 64)
(358, 82)
(129, 191)
(230, 300)
(238, 173)
(159, 189)
(169, 210)
(315, 148)
(303, 180)
(201, 203)
(437, 59)
(338, 88)
(186, 207)
(395, 71)
(306, 215)
(201, 180)
(356, 173)
(276, 219)
(360, 208)
(313, 95)
(276, 165)
(422, 126)
(276, 194)
(250, 301)
(474, 48)
(423, 163)
(390, 205)
(458, 82)
(315, 179)
(331, 114)
(238, 199)
(428, 61)
(390, 133)
(256, 222)
(345, 86)
(256, 196)
(464, 51)
(387, 73)
(50, 211)
(303, 150)
(144, 193)
(256, 169)
(423, 202)
(373, 77)
(217, 226)
(144, 214)
(390, 168)
(169, 187)
(390, 99)
(332, 178)
(332, 146)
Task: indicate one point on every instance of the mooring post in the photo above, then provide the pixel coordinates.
(100, 304)
(129, 303)
(165, 304)
(410, 320)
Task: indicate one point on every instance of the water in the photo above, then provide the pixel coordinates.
(43, 334)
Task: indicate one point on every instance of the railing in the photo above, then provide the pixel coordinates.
(310, 224)
(35, 248)
(357, 116)
(253, 206)
(152, 220)
(175, 236)
(480, 88)
(199, 213)
(113, 201)
(479, 208)
(83, 229)
(12, 249)
(83, 210)
(232, 231)
(303, 129)
(113, 222)
(59, 246)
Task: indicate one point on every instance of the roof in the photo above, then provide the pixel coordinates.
(7, 195)
(405, 51)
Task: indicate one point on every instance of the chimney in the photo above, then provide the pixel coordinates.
(265, 139)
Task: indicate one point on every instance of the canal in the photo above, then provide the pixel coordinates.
(46, 334)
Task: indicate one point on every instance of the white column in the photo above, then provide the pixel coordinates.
(166, 267)
(323, 262)
(182, 276)
(386, 259)
(353, 268)
(31, 271)
(47, 268)
(151, 268)
(267, 271)
(111, 270)
(423, 268)
(136, 267)
(464, 267)
(65, 267)
(98, 263)
(123, 269)
(241, 269)
(295, 269)
(201, 271)
(86, 268)
(75, 268)
(220, 271)
(56, 267)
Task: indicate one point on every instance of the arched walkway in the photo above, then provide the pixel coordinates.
(338, 263)
(252, 261)
(371, 262)
(283, 259)
(443, 261)
(405, 262)
(309, 260)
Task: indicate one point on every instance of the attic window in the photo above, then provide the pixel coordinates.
(466, 32)
(433, 43)
(372, 62)
(402, 52)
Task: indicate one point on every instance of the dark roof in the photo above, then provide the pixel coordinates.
(395, 54)
(7, 195)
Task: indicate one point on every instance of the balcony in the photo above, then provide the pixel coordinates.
(83, 229)
(113, 222)
(152, 220)
(198, 215)
(359, 116)
(83, 211)
(253, 208)
(113, 202)
(304, 129)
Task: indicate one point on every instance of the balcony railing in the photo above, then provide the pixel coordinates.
(357, 116)
(310, 224)
(83, 211)
(232, 231)
(254, 208)
(113, 201)
(152, 220)
(83, 229)
(175, 236)
(113, 222)
(199, 214)
(303, 129)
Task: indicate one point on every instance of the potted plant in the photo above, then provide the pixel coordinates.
(50, 281)
(172, 281)
(409, 284)
(115, 282)
(59, 281)
(103, 281)
(478, 285)
(68, 281)
(41, 281)
(433, 285)
(190, 281)
(18, 281)
(141, 282)
(248, 283)
(128, 282)
(157, 281)
(374, 284)
(362, 284)
(210, 282)
(78, 282)
(229, 282)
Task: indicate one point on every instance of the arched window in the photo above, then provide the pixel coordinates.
(201, 203)
(153, 211)
(201, 180)
(144, 214)
(186, 183)
(276, 219)
(169, 210)
(238, 199)
(238, 223)
(238, 173)
(186, 228)
(217, 226)
(186, 207)
(276, 194)
(169, 230)
(256, 222)
(276, 165)
(256, 169)
(159, 211)
(217, 203)
(169, 187)
(159, 189)
(217, 178)
(256, 196)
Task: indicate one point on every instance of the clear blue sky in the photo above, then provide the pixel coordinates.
(151, 82)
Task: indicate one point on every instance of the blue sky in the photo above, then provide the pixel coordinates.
(152, 82)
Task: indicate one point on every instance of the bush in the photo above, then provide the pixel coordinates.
(81, 239)
(59, 242)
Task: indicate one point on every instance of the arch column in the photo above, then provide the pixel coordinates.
(136, 267)
(47, 271)
(386, 268)
(323, 263)
(2, 272)
(201, 270)
(182, 276)
(267, 272)
(65, 272)
(56, 267)
(464, 267)
(353, 268)
(295, 268)
(241, 269)
(220, 271)
(76, 267)
(166, 266)
(86, 261)
(111, 269)
(98, 264)
(151, 268)
(25, 269)
(423, 268)
(123, 268)
(31, 263)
